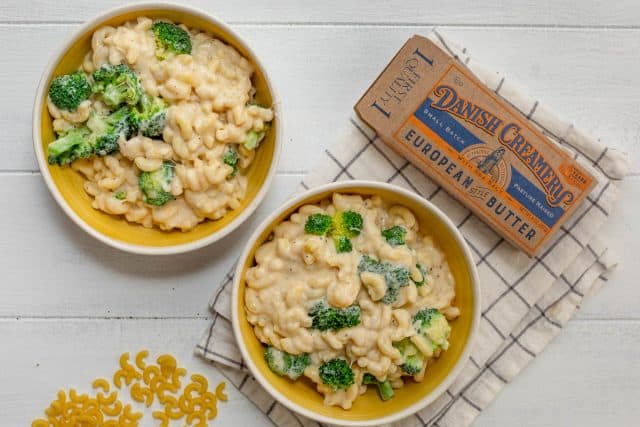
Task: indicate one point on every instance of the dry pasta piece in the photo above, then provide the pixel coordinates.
(107, 400)
(164, 388)
(150, 372)
(101, 383)
(202, 419)
(220, 394)
(140, 359)
(162, 417)
(210, 405)
(201, 381)
(112, 410)
(175, 377)
(141, 394)
(128, 367)
(167, 364)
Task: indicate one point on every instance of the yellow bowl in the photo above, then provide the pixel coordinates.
(66, 185)
(368, 410)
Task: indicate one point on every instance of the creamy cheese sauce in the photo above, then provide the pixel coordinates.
(209, 93)
(294, 270)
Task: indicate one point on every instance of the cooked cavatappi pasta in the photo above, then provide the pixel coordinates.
(161, 120)
(350, 293)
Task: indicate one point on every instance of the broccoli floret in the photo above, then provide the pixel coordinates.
(413, 359)
(337, 374)
(395, 276)
(107, 130)
(156, 185)
(285, 364)
(230, 158)
(170, 38)
(150, 116)
(384, 388)
(324, 317)
(394, 235)
(342, 227)
(423, 271)
(346, 225)
(431, 324)
(69, 90)
(118, 84)
(343, 244)
(72, 145)
(254, 138)
(318, 224)
(120, 195)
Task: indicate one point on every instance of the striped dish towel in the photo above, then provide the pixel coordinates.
(525, 301)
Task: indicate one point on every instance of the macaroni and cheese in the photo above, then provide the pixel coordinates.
(350, 293)
(161, 120)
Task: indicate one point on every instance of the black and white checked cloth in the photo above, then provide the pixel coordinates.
(525, 301)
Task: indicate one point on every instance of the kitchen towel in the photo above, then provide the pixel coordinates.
(525, 301)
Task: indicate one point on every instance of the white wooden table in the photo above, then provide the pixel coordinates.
(70, 305)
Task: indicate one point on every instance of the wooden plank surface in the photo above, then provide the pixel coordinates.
(592, 13)
(60, 354)
(558, 389)
(69, 305)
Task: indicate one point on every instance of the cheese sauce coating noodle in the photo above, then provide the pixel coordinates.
(295, 269)
(209, 94)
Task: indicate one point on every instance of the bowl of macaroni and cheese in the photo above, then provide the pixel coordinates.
(156, 128)
(356, 303)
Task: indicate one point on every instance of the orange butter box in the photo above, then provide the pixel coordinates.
(432, 110)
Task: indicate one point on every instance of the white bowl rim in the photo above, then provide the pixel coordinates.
(345, 186)
(43, 164)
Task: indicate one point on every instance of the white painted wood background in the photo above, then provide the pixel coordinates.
(69, 305)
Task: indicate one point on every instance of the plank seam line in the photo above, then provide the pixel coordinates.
(353, 24)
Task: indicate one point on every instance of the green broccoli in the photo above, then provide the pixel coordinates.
(120, 195)
(285, 364)
(394, 235)
(156, 185)
(150, 116)
(107, 130)
(69, 90)
(169, 39)
(423, 271)
(342, 227)
(395, 276)
(254, 138)
(413, 359)
(337, 374)
(432, 326)
(230, 158)
(324, 317)
(343, 244)
(318, 224)
(346, 225)
(384, 388)
(72, 145)
(118, 84)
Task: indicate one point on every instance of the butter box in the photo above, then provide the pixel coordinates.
(432, 110)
